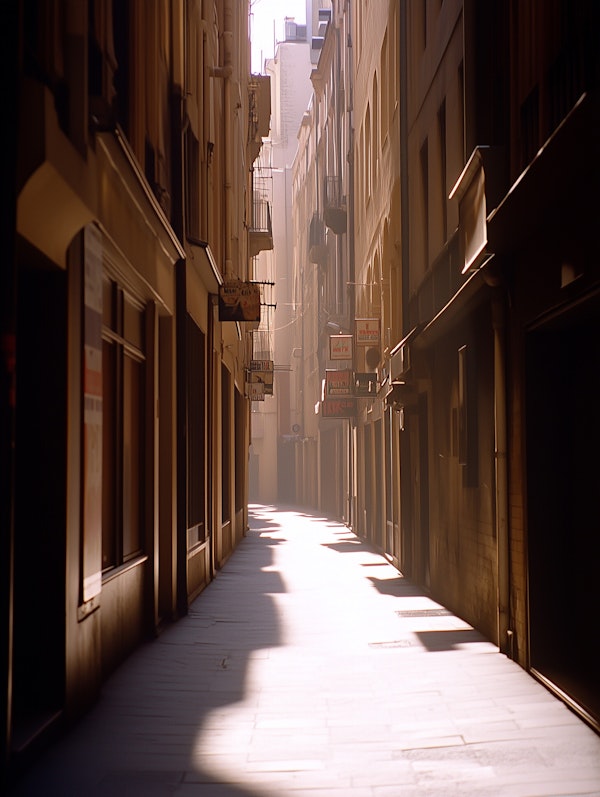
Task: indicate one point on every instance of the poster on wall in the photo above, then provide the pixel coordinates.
(239, 301)
(92, 414)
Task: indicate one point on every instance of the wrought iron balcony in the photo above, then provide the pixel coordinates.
(317, 249)
(335, 214)
(261, 229)
(259, 113)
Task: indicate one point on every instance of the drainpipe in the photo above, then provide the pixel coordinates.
(505, 635)
(9, 60)
(404, 218)
(204, 161)
(351, 266)
(226, 72)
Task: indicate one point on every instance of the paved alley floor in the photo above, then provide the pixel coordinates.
(310, 668)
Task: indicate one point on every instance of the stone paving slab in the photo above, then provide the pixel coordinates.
(310, 668)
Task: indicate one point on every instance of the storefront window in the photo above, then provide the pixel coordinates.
(123, 427)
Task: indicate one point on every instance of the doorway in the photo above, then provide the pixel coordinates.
(40, 502)
(563, 473)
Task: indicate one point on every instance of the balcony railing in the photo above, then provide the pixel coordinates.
(261, 229)
(259, 113)
(335, 214)
(317, 249)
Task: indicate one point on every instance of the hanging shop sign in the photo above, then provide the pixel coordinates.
(265, 378)
(338, 383)
(365, 384)
(261, 365)
(340, 347)
(367, 331)
(342, 407)
(239, 301)
(261, 371)
(255, 391)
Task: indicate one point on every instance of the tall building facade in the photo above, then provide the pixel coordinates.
(377, 286)
(323, 273)
(466, 284)
(274, 427)
(501, 277)
(125, 419)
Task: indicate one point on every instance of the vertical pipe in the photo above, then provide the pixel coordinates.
(9, 59)
(182, 436)
(501, 478)
(351, 255)
(210, 442)
(228, 161)
(204, 162)
(404, 216)
(404, 453)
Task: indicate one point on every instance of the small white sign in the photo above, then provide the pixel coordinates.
(255, 391)
(367, 331)
(340, 347)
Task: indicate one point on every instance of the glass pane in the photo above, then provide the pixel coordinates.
(196, 442)
(132, 456)
(108, 303)
(109, 531)
(225, 443)
(133, 324)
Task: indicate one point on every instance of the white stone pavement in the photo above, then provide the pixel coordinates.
(311, 668)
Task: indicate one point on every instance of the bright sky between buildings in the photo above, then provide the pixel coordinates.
(267, 26)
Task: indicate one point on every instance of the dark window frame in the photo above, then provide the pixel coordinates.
(122, 482)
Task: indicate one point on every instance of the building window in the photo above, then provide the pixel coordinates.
(384, 69)
(196, 434)
(462, 406)
(240, 449)
(424, 158)
(192, 186)
(443, 167)
(123, 427)
(376, 144)
(467, 417)
(368, 156)
(461, 114)
(225, 445)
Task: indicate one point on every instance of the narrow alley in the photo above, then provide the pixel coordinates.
(310, 666)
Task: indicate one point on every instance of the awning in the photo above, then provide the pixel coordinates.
(201, 257)
(400, 354)
(559, 186)
(477, 191)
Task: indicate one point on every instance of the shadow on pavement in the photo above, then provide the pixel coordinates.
(162, 709)
(436, 641)
(398, 587)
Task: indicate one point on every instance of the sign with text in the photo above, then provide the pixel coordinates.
(239, 301)
(338, 383)
(262, 377)
(365, 384)
(342, 407)
(261, 365)
(340, 347)
(367, 331)
(255, 391)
